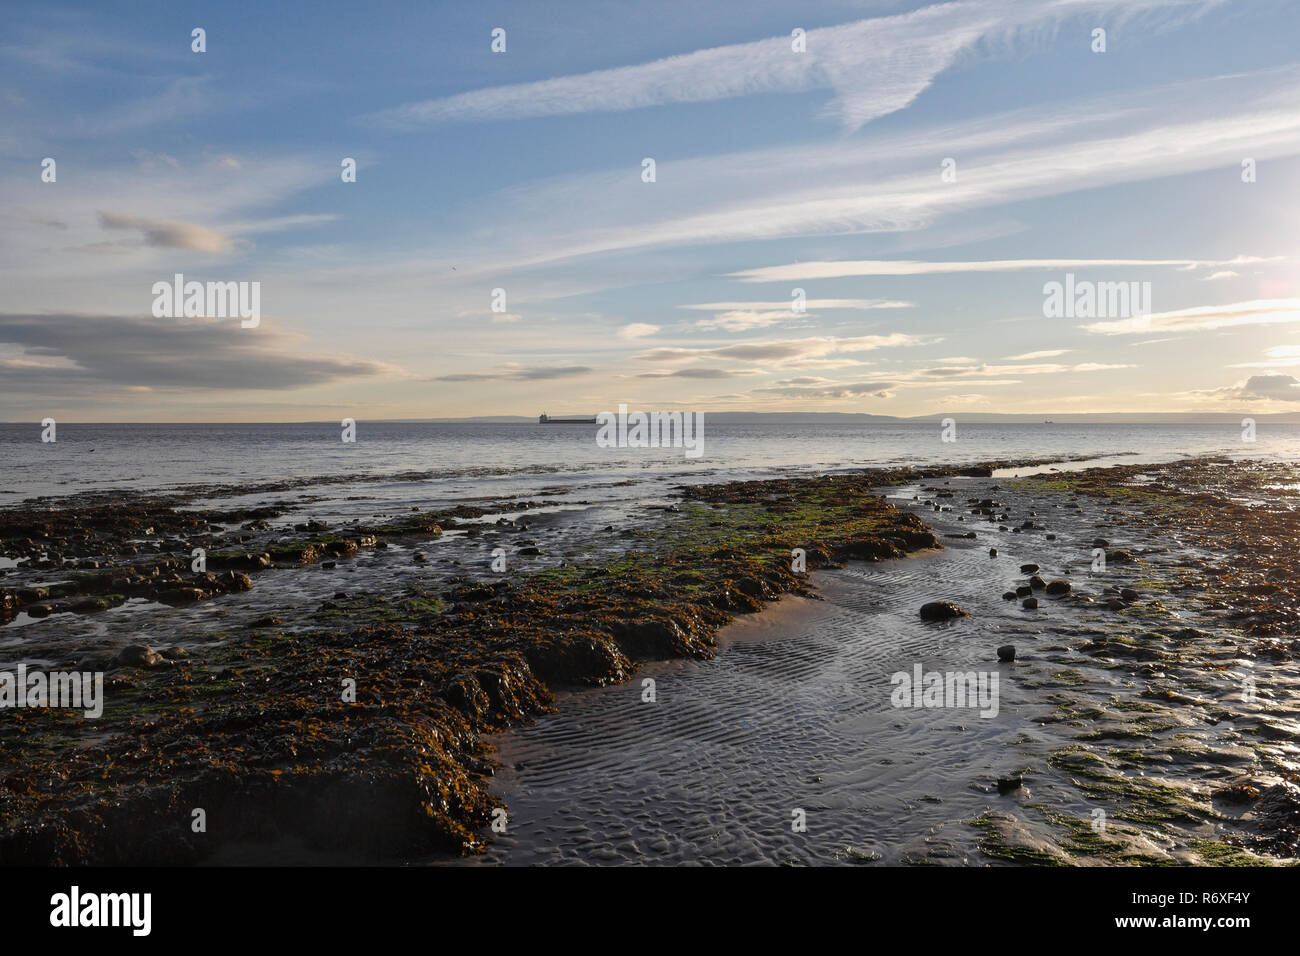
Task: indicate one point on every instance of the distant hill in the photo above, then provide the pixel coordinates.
(1121, 418)
(849, 418)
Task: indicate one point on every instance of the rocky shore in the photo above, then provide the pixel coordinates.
(351, 725)
(258, 730)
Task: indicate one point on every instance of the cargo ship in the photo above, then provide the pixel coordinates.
(545, 419)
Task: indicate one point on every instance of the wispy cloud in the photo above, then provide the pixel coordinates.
(1280, 356)
(814, 304)
(874, 67)
(1030, 356)
(781, 349)
(517, 373)
(892, 184)
(832, 390)
(179, 99)
(693, 372)
(742, 316)
(741, 321)
(1257, 312)
(911, 267)
(982, 371)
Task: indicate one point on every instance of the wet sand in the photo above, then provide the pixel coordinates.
(795, 713)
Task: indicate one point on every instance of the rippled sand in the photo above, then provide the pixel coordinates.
(795, 713)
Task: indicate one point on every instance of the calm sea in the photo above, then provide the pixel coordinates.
(476, 459)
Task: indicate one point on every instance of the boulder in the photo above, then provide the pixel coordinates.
(181, 595)
(138, 655)
(1011, 782)
(940, 611)
(1279, 808)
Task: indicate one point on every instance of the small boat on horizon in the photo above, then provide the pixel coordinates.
(545, 419)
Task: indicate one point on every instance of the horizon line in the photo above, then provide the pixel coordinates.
(1007, 418)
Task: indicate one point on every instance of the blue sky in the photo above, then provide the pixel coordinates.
(776, 170)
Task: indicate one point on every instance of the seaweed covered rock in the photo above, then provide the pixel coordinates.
(940, 611)
(8, 606)
(138, 655)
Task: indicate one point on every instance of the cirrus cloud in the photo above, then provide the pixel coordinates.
(1255, 312)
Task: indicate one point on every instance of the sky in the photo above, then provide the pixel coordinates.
(851, 207)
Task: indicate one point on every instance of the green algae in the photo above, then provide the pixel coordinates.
(1137, 799)
(993, 844)
(1220, 853)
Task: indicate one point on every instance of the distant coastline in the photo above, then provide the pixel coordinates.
(784, 418)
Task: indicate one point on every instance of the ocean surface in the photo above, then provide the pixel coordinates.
(472, 460)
